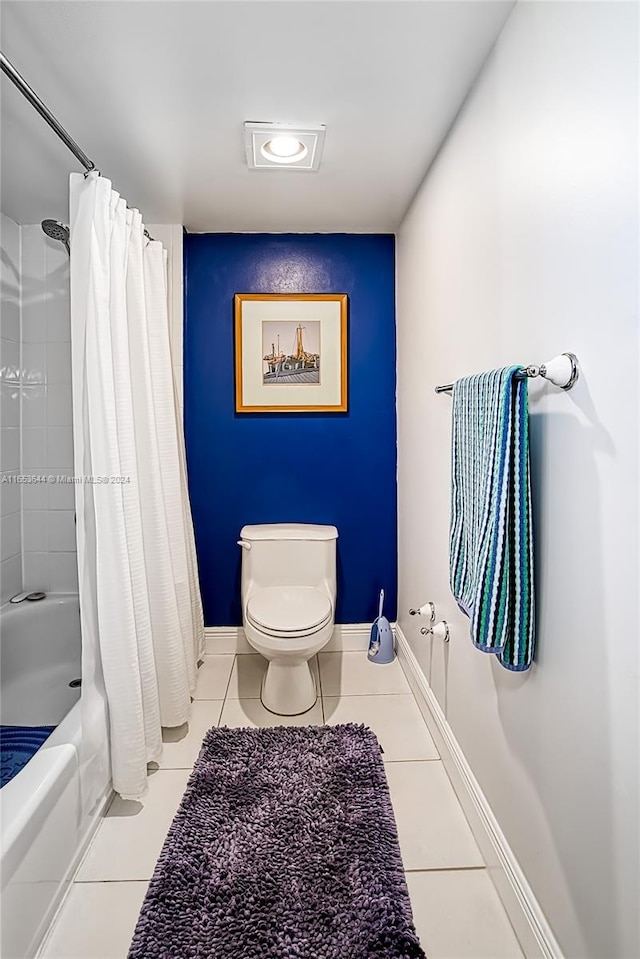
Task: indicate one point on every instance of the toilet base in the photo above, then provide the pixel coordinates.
(288, 689)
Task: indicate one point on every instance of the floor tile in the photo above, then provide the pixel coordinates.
(458, 915)
(432, 828)
(213, 677)
(457, 911)
(246, 677)
(96, 921)
(251, 712)
(396, 721)
(130, 837)
(181, 744)
(248, 673)
(351, 674)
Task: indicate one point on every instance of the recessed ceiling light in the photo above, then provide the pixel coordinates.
(281, 146)
(284, 150)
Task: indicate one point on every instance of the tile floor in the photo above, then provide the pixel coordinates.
(456, 909)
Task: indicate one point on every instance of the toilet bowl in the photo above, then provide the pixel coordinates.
(288, 606)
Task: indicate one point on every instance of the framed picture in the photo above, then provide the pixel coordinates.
(291, 352)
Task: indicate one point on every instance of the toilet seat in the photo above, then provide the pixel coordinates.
(289, 612)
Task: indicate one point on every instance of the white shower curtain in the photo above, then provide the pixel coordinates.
(141, 614)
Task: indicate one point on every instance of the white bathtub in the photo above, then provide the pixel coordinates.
(42, 828)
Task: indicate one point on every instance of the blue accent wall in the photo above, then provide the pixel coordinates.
(337, 468)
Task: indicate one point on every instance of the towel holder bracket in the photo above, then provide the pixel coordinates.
(562, 370)
(428, 609)
(439, 631)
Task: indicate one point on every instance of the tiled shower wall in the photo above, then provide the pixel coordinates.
(38, 532)
(11, 528)
(39, 511)
(48, 519)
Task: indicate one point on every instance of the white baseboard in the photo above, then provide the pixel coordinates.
(526, 916)
(226, 639)
(349, 637)
(231, 639)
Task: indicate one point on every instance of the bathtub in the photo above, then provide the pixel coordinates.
(43, 829)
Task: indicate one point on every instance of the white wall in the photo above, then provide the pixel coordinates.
(522, 243)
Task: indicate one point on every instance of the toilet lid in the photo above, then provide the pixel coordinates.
(289, 609)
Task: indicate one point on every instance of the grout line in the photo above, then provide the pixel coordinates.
(324, 718)
(240, 699)
(448, 869)
(103, 882)
(408, 695)
(226, 691)
(361, 650)
(341, 695)
(436, 759)
(173, 769)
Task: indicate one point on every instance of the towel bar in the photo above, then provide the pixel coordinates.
(562, 371)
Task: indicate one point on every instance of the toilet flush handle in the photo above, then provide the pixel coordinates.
(244, 544)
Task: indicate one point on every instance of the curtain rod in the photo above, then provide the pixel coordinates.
(19, 81)
(29, 94)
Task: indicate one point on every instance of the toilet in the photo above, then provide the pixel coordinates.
(288, 606)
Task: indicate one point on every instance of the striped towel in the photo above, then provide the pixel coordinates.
(491, 545)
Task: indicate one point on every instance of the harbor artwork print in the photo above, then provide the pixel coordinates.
(291, 352)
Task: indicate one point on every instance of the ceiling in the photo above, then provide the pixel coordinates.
(156, 94)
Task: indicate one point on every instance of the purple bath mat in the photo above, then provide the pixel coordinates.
(284, 847)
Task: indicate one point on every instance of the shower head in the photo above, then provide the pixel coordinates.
(57, 231)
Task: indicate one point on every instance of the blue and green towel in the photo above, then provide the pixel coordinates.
(491, 544)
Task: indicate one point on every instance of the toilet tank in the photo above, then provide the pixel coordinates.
(289, 554)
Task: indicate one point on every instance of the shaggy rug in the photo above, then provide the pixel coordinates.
(284, 847)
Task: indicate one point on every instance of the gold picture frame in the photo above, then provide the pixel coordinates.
(291, 352)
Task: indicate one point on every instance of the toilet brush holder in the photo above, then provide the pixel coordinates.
(381, 646)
